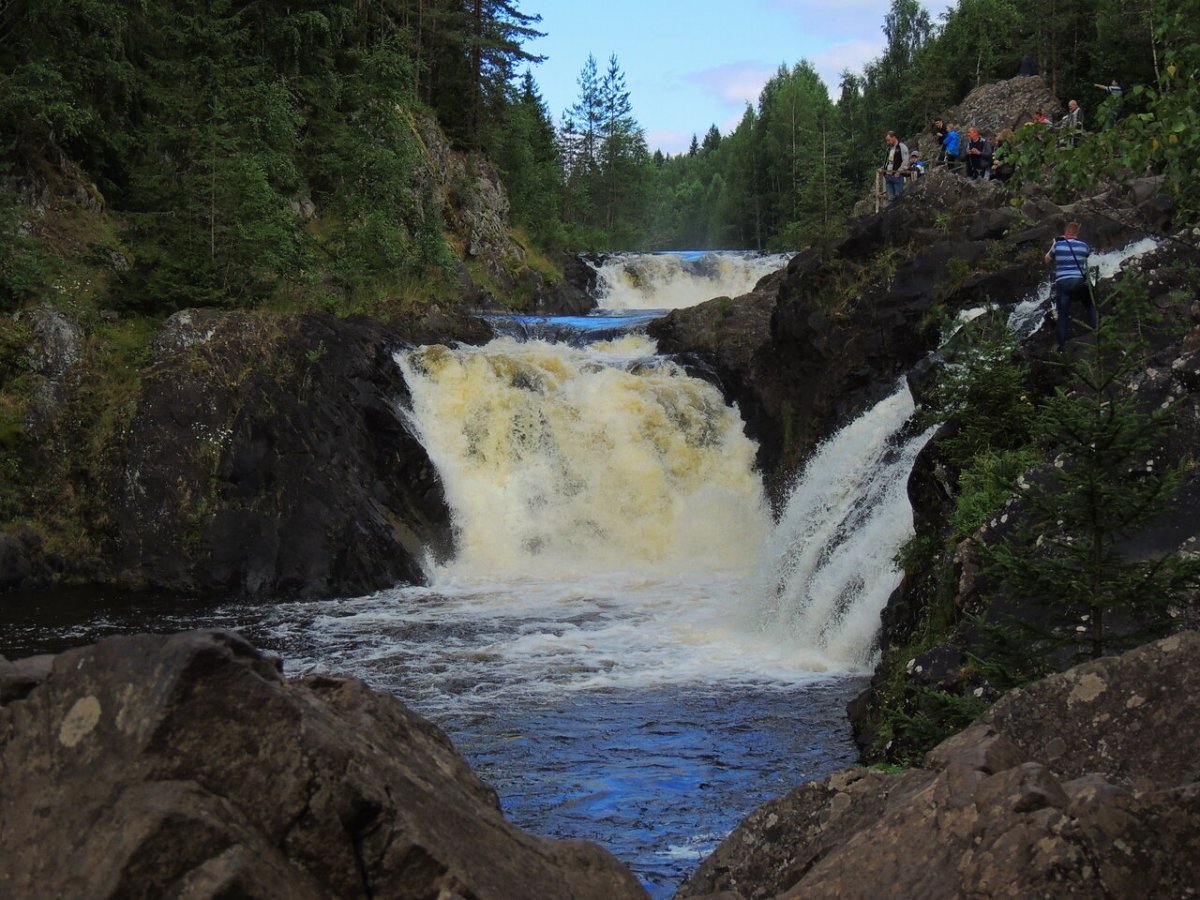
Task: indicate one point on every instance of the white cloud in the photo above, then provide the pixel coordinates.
(671, 143)
(846, 17)
(852, 55)
(735, 84)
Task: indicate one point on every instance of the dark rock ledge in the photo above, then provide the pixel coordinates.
(1082, 785)
(187, 766)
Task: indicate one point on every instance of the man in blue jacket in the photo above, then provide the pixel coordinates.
(951, 148)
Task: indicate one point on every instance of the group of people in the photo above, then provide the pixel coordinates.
(1068, 253)
(976, 156)
(972, 153)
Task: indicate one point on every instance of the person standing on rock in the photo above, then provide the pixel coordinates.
(895, 166)
(939, 134)
(1070, 255)
(951, 147)
(1072, 122)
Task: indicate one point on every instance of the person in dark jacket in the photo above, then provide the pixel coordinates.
(939, 134)
(979, 155)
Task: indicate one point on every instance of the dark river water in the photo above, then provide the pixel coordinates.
(656, 769)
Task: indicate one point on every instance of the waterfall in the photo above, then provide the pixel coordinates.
(828, 570)
(632, 281)
(558, 460)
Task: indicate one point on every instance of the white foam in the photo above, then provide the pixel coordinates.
(629, 281)
(829, 570)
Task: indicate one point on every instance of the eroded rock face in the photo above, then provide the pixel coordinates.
(269, 457)
(1083, 785)
(155, 766)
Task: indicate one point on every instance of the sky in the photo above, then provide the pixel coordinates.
(689, 65)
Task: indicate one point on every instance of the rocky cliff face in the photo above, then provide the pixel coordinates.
(270, 457)
(1169, 379)
(188, 766)
(1083, 785)
(476, 209)
(816, 344)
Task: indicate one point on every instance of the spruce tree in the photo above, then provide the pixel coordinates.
(1085, 593)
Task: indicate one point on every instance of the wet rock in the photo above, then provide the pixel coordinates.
(1080, 786)
(269, 457)
(939, 667)
(155, 766)
(24, 564)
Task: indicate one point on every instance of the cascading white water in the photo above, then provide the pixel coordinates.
(559, 461)
(608, 520)
(828, 570)
(630, 281)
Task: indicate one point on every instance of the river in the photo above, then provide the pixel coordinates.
(625, 643)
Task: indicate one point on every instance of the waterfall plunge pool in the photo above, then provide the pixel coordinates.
(626, 644)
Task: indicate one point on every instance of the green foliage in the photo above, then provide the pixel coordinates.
(1010, 650)
(984, 390)
(26, 268)
(1163, 138)
(985, 486)
(937, 716)
(1107, 482)
(605, 161)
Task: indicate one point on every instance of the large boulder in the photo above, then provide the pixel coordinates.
(1084, 785)
(53, 360)
(1005, 104)
(187, 766)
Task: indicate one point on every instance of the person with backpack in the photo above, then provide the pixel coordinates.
(1070, 255)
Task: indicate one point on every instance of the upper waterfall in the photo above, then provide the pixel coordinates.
(630, 281)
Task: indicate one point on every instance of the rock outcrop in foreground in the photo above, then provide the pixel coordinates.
(1083, 785)
(187, 766)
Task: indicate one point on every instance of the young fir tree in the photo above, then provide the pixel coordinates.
(1068, 568)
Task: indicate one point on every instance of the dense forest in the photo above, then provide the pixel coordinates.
(251, 152)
